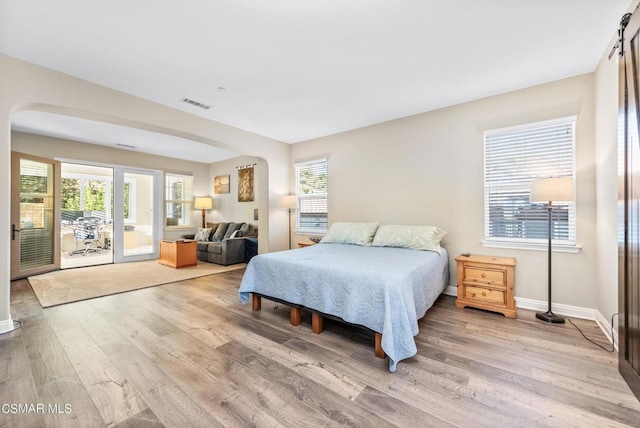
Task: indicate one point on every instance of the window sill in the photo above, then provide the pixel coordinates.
(180, 228)
(559, 248)
(310, 232)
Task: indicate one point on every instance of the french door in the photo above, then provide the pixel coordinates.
(138, 214)
(629, 203)
(35, 215)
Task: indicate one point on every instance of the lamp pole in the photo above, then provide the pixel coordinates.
(289, 228)
(549, 316)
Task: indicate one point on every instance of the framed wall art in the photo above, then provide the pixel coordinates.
(245, 184)
(221, 184)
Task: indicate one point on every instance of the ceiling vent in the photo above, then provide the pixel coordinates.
(195, 103)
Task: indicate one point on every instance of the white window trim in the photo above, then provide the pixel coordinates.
(531, 246)
(309, 231)
(524, 243)
(189, 226)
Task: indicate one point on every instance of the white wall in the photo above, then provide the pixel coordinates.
(429, 169)
(606, 145)
(25, 86)
(226, 206)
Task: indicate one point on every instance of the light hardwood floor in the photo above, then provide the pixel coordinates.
(188, 354)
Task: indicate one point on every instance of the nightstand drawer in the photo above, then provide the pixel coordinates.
(485, 276)
(485, 294)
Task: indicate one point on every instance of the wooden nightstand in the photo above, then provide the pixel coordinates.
(487, 282)
(305, 244)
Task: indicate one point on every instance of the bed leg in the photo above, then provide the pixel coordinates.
(317, 323)
(256, 302)
(296, 316)
(378, 346)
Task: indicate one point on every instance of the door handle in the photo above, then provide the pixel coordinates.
(13, 232)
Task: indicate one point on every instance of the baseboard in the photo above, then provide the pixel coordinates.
(560, 309)
(6, 326)
(451, 291)
(605, 326)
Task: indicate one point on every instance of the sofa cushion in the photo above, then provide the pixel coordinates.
(220, 231)
(215, 247)
(202, 246)
(232, 228)
(213, 227)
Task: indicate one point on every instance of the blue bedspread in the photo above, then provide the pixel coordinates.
(385, 289)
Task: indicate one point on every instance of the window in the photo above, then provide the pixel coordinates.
(178, 199)
(311, 188)
(513, 158)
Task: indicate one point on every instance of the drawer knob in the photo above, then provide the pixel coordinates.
(473, 295)
(484, 275)
(484, 293)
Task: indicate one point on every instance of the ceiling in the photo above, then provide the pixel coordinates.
(295, 70)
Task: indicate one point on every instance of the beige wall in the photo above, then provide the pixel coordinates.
(429, 169)
(25, 86)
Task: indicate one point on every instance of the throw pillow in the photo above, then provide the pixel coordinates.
(214, 227)
(232, 228)
(203, 234)
(425, 238)
(220, 231)
(351, 233)
(248, 229)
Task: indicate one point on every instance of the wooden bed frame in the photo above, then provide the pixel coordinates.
(317, 319)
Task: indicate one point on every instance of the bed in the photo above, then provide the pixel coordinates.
(384, 289)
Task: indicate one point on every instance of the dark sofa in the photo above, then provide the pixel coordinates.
(225, 243)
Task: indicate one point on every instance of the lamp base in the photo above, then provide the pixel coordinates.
(550, 317)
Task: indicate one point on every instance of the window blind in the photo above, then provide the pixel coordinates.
(36, 214)
(178, 199)
(311, 188)
(515, 157)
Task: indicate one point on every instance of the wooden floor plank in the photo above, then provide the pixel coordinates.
(189, 354)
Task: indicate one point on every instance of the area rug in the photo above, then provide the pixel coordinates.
(72, 285)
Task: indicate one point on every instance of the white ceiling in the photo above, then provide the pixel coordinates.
(300, 69)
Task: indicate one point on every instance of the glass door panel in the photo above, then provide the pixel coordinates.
(35, 216)
(138, 216)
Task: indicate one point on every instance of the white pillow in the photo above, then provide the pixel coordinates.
(351, 233)
(234, 234)
(414, 237)
(203, 234)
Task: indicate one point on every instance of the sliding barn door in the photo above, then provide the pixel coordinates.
(629, 203)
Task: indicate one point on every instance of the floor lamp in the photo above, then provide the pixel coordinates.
(289, 202)
(551, 190)
(203, 204)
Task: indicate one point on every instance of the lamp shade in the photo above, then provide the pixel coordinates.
(203, 203)
(289, 202)
(553, 189)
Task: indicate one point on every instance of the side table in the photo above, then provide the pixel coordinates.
(178, 254)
